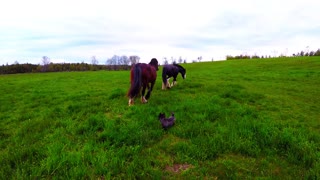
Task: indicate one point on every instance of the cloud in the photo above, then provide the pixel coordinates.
(77, 30)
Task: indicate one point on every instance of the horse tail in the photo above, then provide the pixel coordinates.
(135, 81)
(164, 75)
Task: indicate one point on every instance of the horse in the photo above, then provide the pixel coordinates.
(142, 75)
(169, 71)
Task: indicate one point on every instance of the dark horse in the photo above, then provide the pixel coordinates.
(142, 75)
(169, 71)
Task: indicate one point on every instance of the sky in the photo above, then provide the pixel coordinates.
(75, 30)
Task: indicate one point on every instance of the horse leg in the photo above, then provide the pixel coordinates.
(131, 101)
(149, 90)
(174, 82)
(143, 99)
(168, 83)
(164, 85)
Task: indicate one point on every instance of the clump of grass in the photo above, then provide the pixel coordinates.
(117, 93)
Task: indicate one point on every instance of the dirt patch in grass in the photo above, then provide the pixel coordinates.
(178, 168)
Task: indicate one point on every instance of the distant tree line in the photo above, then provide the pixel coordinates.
(311, 53)
(113, 63)
(173, 60)
(298, 54)
(51, 67)
(229, 57)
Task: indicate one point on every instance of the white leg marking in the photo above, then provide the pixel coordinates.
(131, 102)
(168, 83)
(143, 99)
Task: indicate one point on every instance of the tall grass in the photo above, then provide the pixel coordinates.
(235, 119)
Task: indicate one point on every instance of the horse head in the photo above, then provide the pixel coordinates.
(161, 116)
(183, 73)
(182, 70)
(154, 63)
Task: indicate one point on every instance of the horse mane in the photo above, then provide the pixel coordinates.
(179, 66)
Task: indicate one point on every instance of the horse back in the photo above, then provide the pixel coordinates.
(149, 72)
(170, 70)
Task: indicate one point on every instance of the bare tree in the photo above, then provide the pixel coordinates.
(45, 60)
(94, 60)
(121, 62)
(311, 53)
(173, 60)
(112, 62)
(180, 59)
(134, 59)
(165, 60)
(125, 60)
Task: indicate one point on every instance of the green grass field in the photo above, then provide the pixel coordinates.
(235, 119)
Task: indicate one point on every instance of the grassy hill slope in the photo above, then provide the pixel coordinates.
(235, 119)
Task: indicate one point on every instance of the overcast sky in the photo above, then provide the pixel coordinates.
(74, 31)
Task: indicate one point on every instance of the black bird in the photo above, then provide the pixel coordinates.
(167, 122)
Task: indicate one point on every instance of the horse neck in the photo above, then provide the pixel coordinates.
(154, 65)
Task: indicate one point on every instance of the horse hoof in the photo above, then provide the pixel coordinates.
(143, 100)
(131, 102)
